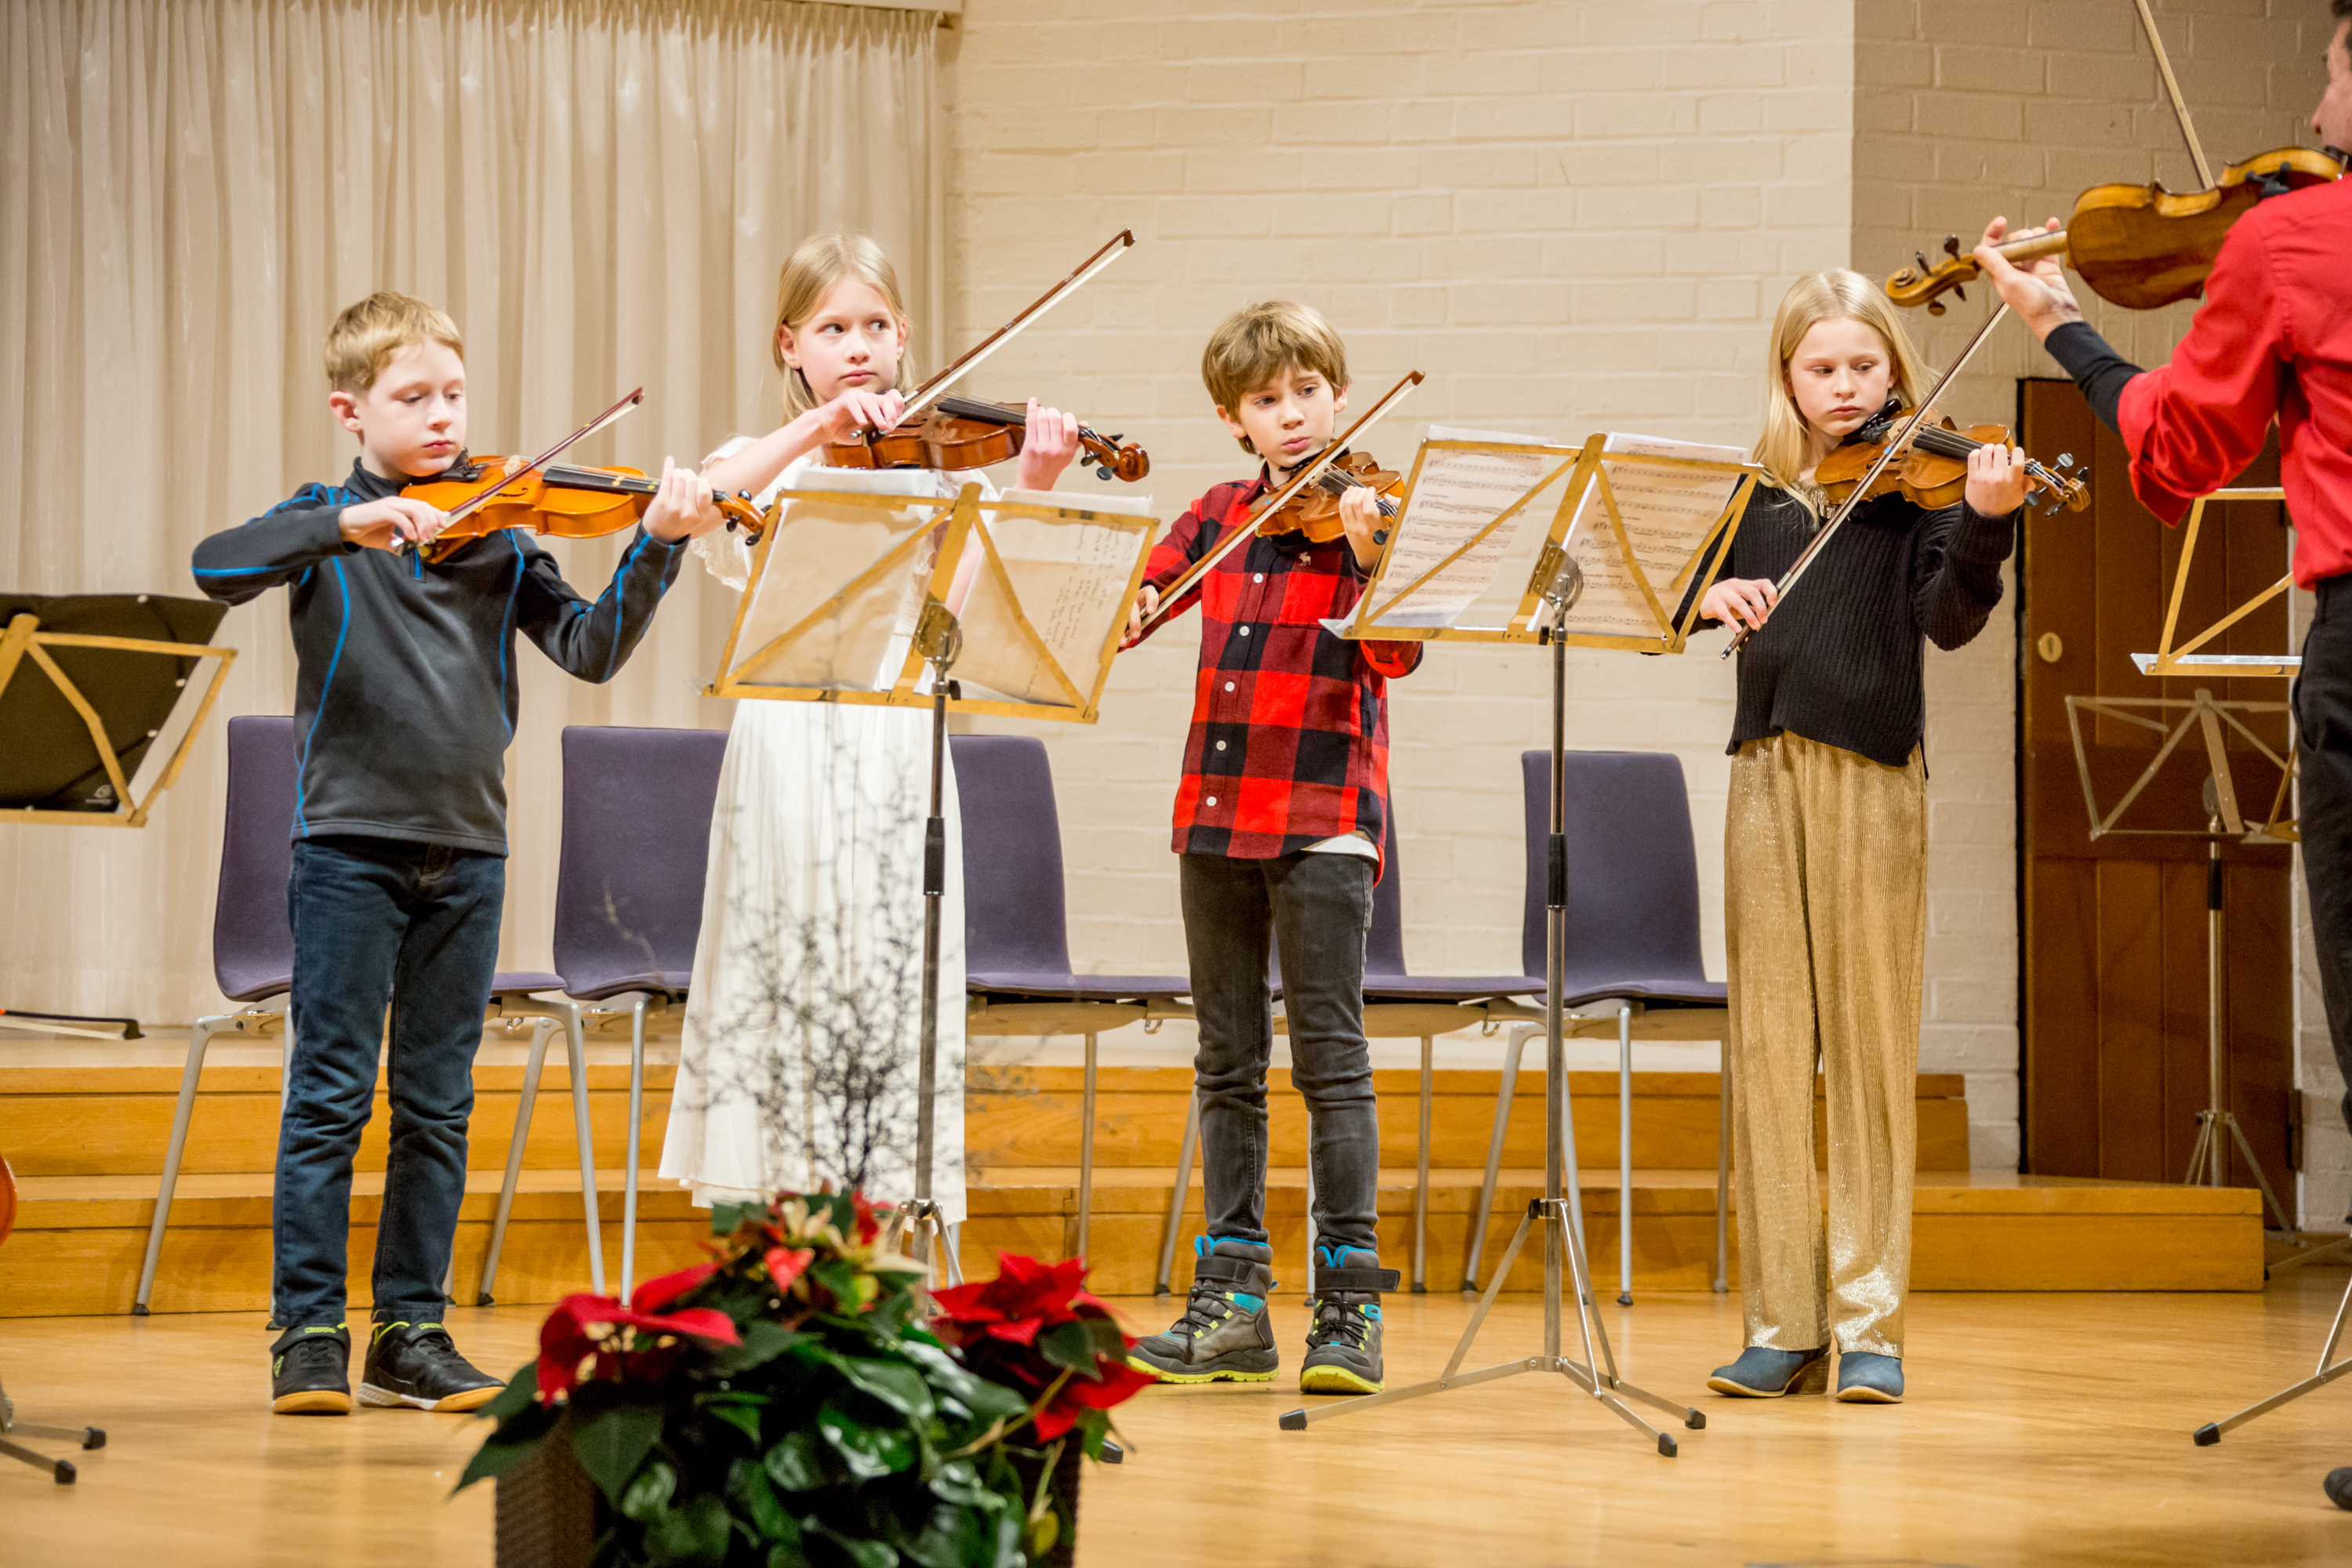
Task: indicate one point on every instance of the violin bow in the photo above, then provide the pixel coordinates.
(2172, 90)
(932, 390)
(607, 417)
(1894, 449)
(1306, 475)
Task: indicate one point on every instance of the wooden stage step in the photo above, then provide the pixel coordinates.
(80, 1239)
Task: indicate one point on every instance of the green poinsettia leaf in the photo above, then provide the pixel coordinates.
(1093, 1431)
(894, 1384)
(865, 1553)
(839, 1280)
(787, 1556)
(739, 1409)
(648, 1494)
(958, 1481)
(749, 1490)
(1109, 1344)
(870, 1452)
(614, 1445)
(1006, 1552)
(520, 1393)
(1069, 1346)
(763, 1341)
(696, 1531)
(1044, 1532)
(515, 1440)
(795, 1464)
(726, 1219)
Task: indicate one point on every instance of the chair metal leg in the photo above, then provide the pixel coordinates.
(577, 1054)
(200, 1039)
(1723, 1174)
(629, 1176)
(1624, 1154)
(540, 1029)
(1511, 1055)
(1087, 1150)
(1421, 1185)
(1183, 1190)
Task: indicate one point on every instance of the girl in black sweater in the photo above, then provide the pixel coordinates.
(1825, 844)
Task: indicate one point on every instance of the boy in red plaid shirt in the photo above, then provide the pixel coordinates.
(1280, 816)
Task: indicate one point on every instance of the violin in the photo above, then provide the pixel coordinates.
(2138, 247)
(1933, 471)
(485, 495)
(1315, 511)
(958, 432)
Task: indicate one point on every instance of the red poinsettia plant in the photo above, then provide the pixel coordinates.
(1036, 1329)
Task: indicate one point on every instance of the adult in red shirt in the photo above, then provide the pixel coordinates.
(2272, 342)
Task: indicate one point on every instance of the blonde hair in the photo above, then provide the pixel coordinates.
(366, 335)
(816, 267)
(1258, 342)
(1832, 295)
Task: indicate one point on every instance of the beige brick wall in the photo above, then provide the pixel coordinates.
(1963, 110)
(1573, 216)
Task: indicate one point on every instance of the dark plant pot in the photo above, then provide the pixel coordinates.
(1068, 1470)
(549, 1513)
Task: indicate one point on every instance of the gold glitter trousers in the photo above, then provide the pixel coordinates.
(1825, 884)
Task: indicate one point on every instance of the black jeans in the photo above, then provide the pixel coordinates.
(379, 921)
(1317, 908)
(2323, 720)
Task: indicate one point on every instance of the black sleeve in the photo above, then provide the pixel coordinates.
(2097, 369)
(242, 563)
(593, 641)
(1956, 574)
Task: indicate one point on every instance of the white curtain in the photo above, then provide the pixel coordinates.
(601, 194)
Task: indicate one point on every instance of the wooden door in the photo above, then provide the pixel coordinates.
(2114, 932)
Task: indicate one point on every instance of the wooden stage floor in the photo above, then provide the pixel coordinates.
(2041, 1429)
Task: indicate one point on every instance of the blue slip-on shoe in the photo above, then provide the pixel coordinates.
(1865, 1377)
(1765, 1373)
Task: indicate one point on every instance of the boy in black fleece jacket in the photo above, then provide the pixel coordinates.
(404, 706)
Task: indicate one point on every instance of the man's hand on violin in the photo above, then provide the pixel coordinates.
(1048, 445)
(1996, 479)
(2038, 291)
(1360, 514)
(857, 411)
(1147, 601)
(1740, 601)
(392, 522)
(682, 508)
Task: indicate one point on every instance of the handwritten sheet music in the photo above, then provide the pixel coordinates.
(1666, 513)
(861, 571)
(1456, 494)
(1064, 579)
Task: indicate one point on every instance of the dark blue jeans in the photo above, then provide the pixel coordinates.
(381, 923)
(1316, 908)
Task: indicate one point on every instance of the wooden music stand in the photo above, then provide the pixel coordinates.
(1638, 515)
(895, 587)
(2184, 660)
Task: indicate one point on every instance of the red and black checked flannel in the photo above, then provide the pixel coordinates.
(1290, 724)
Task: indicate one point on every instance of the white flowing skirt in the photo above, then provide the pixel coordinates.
(802, 1033)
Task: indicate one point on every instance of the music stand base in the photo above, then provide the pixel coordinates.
(1607, 1388)
(2329, 1371)
(60, 1470)
(916, 1228)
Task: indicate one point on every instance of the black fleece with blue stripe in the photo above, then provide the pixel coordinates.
(406, 693)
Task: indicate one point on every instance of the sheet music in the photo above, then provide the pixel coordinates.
(1069, 578)
(1456, 494)
(820, 549)
(1666, 513)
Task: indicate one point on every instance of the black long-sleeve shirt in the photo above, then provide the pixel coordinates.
(406, 691)
(2097, 369)
(1842, 660)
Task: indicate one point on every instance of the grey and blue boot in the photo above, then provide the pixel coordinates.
(1224, 1335)
(1343, 1343)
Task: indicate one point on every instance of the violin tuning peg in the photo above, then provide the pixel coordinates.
(2064, 458)
(1952, 246)
(1104, 474)
(1935, 306)
(1115, 440)
(1959, 293)
(1921, 258)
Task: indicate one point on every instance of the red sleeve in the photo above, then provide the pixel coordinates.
(1393, 660)
(2193, 425)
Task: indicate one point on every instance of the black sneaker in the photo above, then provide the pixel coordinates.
(1343, 1345)
(417, 1365)
(309, 1371)
(1224, 1335)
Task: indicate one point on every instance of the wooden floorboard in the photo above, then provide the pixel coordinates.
(2051, 1430)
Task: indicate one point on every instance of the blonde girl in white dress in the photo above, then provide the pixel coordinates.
(803, 1023)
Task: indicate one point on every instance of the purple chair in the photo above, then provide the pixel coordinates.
(253, 962)
(628, 892)
(1633, 961)
(1017, 971)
